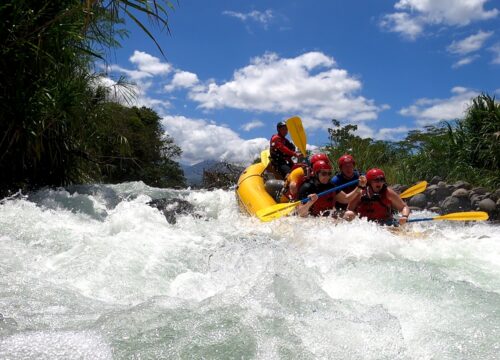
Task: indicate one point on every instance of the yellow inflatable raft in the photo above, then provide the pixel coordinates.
(251, 190)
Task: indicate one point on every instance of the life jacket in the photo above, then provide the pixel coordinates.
(340, 179)
(281, 149)
(325, 203)
(298, 175)
(375, 207)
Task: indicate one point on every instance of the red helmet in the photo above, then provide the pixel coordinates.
(321, 165)
(317, 157)
(345, 159)
(374, 174)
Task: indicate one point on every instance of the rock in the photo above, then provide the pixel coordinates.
(462, 185)
(435, 180)
(435, 209)
(454, 204)
(475, 199)
(487, 205)
(461, 193)
(172, 207)
(479, 191)
(399, 188)
(496, 193)
(419, 201)
(439, 193)
(492, 196)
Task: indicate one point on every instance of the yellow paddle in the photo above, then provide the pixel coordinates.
(297, 133)
(458, 216)
(276, 211)
(264, 157)
(414, 190)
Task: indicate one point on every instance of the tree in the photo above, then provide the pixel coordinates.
(50, 103)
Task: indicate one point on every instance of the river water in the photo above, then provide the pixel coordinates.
(93, 272)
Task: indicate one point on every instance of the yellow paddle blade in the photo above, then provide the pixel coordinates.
(297, 133)
(264, 157)
(464, 216)
(414, 190)
(276, 211)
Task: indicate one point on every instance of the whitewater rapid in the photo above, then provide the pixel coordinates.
(93, 272)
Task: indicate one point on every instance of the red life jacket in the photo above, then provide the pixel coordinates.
(281, 149)
(324, 203)
(376, 207)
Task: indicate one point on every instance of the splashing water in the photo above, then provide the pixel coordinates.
(93, 272)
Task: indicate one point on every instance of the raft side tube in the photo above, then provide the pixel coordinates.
(251, 190)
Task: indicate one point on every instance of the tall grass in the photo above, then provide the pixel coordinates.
(466, 149)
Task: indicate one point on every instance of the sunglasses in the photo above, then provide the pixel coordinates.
(325, 173)
(379, 179)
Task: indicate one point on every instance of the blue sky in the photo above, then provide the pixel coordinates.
(233, 69)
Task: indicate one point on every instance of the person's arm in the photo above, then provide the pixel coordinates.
(400, 205)
(354, 194)
(303, 209)
(279, 144)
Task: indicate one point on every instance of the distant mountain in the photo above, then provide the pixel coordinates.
(194, 173)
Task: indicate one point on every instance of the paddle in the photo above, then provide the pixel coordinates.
(414, 190)
(458, 216)
(264, 157)
(279, 210)
(297, 133)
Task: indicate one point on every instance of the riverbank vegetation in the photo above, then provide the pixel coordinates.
(467, 149)
(57, 123)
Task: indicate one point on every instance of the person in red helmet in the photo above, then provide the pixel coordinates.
(282, 151)
(319, 156)
(319, 182)
(299, 175)
(347, 173)
(377, 201)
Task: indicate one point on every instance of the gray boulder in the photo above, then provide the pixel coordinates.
(173, 207)
(418, 201)
(455, 204)
(435, 180)
(462, 185)
(461, 193)
(479, 191)
(438, 193)
(487, 205)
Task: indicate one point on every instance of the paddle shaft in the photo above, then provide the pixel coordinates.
(415, 220)
(340, 187)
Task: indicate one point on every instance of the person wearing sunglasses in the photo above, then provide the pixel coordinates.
(319, 182)
(377, 201)
(299, 175)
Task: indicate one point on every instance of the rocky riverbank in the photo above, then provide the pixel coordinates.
(444, 198)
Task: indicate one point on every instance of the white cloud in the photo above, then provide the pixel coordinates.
(149, 64)
(392, 134)
(465, 61)
(412, 16)
(182, 79)
(403, 23)
(254, 124)
(495, 49)
(308, 84)
(134, 75)
(432, 111)
(201, 140)
(263, 18)
(469, 44)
